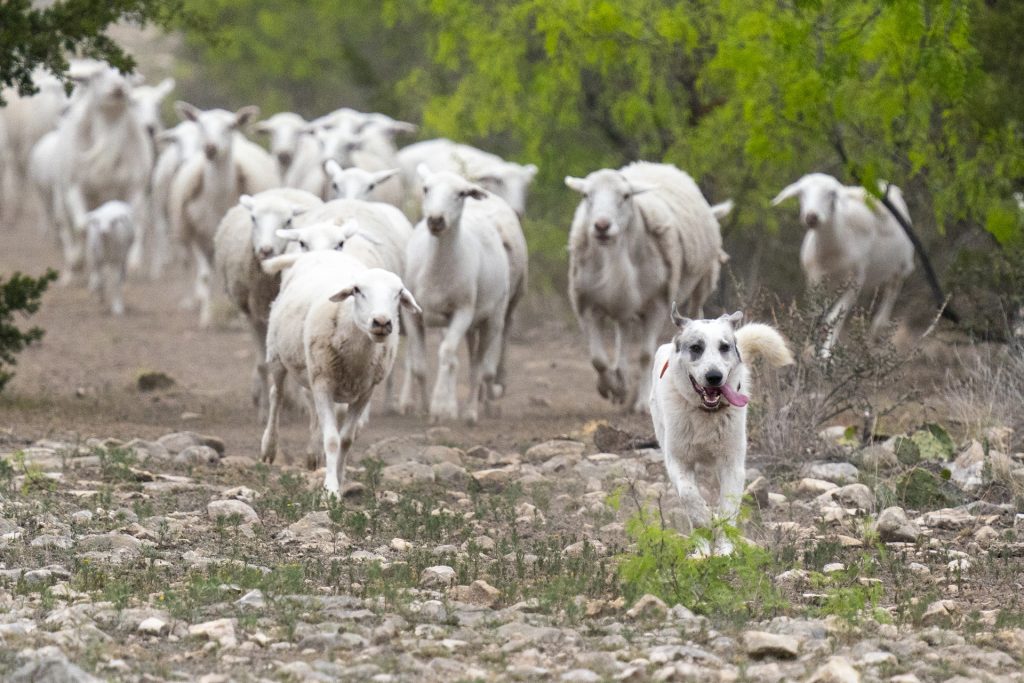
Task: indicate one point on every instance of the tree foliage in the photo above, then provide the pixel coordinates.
(34, 36)
(20, 294)
(746, 95)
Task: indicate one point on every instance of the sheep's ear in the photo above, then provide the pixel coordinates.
(246, 114)
(576, 184)
(246, 201)
(474, 192)
(187, 111)
(380, 176)
(273, 266)
(165, 87)
(734, 319)
(343, 294)
(332, 167)
(640, 188)
(289, 234)
(530, 170)
(166, 137)
(409, 302)
(793, 190)
(678, 319)
(423, 171)
(298, 210)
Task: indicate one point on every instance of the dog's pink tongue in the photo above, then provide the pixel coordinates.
(734, 397)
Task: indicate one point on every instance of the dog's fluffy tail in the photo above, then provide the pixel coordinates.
(758, 340)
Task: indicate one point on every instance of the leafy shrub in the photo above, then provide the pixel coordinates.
(736, 586)
(19, 294)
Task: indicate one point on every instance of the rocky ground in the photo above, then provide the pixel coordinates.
(446, 560)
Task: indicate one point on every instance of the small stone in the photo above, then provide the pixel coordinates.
(874, 458)
(477, 593)
(254, 599)
(835, 670)
(434, 455)
(648, 607)
(221, 631)
(179, 441)
(441, 576)
(219, 509)
(580, 676)
(762, 644)
(242, 493)
(401, 545)
(758, 490)
(836, 472)
(946, 518)
(154, 380)
(496, 478)
(833, 567)
(153, 626)
(197, 455)
(407, 474)
(814, 487)
(855, 496)
(986, 535)
(894, 526)
(940, 612)
(543, 452)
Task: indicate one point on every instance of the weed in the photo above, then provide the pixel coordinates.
(116, 464)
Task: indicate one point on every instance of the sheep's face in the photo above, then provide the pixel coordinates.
(608, 203)
(146, 101)
(444, 197)
(338, 143)
(269, 215)
(509, 181)
(325, 236)
(110, 223)
(216, 127)
(377, 295)
(354, 183)
(111, 89)
(284, 130)
(705, 365)
(818, 194)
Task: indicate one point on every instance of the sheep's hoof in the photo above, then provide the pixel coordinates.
(268, 458)
(312, 460)
(471, 417)
(332, 491)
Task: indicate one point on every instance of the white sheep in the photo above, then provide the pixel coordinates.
(109, 235)
(207, 185)
(642, 237)
(334, 329)
(355, 182)
(247, 236)
(104, 155)
(508, 180)
(852, 240)
(176, 144)
(459, 270)
(286, 135)
(147, 100)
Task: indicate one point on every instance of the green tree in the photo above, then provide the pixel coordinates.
(19, 294)
(34, 36)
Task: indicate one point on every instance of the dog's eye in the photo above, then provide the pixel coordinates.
(696, 348)
(724, 348)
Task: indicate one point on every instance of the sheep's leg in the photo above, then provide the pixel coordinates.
(323, 400)
(470, 412)
(836, 317)
(653, 321)
(259, 377)
(491, 348)
(140, 213)
(268, 446)
(313, 445)
(444, 402)
(203, 293)
(885, 306)
(75, 210)
(610, 383)
(497, 388)
(358, 412)
(415, 381)
(116, 278)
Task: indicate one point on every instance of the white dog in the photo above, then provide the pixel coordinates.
(700, 389)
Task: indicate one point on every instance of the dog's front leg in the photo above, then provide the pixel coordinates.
(730, 493)
(695, 508)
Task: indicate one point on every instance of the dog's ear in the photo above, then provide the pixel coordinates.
(734, 319)
(677, 318)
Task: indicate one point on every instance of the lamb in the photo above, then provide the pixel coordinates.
(105, 155)
(854, 240)
(247, 236)
(355, 182)
(508, 180)
(208, 185)
(459, 269)
(359, 145)
(334, 328)
(109, 236)
(643, 237)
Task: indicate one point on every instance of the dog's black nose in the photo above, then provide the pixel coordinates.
(714, 378)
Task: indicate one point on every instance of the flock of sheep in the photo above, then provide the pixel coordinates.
(313, 242)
